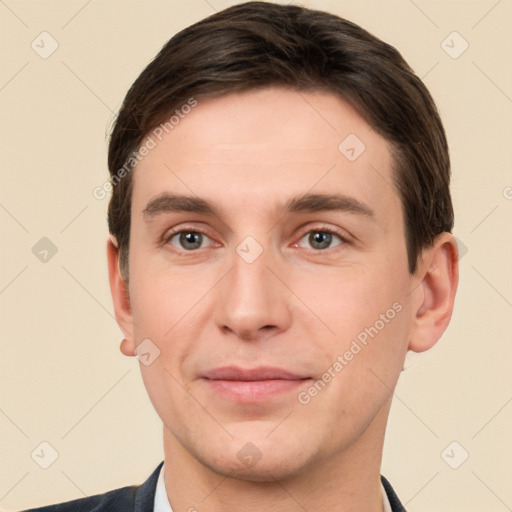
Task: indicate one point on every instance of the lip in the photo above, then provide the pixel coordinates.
(252, 385)
(251, 374)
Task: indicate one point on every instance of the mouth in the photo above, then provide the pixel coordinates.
(254, 385)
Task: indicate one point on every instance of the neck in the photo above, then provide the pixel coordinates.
(346, 481)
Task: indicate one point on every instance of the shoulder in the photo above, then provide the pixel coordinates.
(136, 498)
(118, 499)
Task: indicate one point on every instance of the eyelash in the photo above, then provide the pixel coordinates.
(345, 240)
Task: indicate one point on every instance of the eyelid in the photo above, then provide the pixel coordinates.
(169, 234)
(345, 237)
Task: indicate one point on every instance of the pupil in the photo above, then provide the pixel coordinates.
(190, 240)
(320, 239)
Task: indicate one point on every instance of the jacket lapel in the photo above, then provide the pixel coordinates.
(396, 506)
(145, 494)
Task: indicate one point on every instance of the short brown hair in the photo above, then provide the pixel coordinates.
(258, 44)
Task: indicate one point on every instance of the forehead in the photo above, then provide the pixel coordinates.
(266, 146)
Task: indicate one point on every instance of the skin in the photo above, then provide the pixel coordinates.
(298, 306)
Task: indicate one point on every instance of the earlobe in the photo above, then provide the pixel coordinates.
(120, 297)
(438, 287)
(127, 347)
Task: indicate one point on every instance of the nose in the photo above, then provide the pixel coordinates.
(252, 302)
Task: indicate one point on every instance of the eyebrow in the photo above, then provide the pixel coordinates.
(328, 202)
(308, 203)
(175, 203)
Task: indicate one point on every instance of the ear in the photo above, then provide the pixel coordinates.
(120, 297)
(439, 274)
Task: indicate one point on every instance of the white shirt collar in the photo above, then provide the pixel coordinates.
(162, 501)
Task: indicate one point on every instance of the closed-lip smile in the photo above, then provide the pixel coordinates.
(252, 385)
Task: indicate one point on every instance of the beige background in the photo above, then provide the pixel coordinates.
(63, 379)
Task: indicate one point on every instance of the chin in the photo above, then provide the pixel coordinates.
(260, 472)
(251, 465)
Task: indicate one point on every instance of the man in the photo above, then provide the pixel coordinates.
(280, 237)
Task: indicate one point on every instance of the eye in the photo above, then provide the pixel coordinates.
(188, 240)
(321, 239)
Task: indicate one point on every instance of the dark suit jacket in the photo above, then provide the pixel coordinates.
(141, 498)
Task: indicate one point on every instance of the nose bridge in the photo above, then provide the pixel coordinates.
(252, 297)
(250, 270)
(250, 286)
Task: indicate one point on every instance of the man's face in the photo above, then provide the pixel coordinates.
(300, 264)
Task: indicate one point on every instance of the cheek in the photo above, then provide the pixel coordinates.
(165, 301)
(150, 303)
(366, 309)
(165, 309)
(348, 300)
